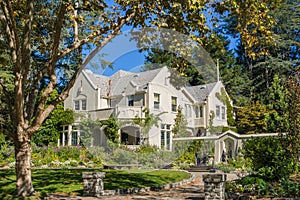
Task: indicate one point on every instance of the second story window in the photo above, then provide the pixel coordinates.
(156, 101)
(80, 104)
(83, 104)
(174, 104)
(131, 100)
(223, 112)
(199, 111)
(218, 112)
(77, 105)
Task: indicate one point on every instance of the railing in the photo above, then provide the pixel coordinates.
(199, 122)
(122, 112)
(129, 112)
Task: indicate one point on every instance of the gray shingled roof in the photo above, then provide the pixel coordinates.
(98, 80)
(200, 92)
(120, 80)
(138, 79)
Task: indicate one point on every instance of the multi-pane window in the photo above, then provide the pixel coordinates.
(77, 105)
(223, 112)
(75, 135)
(218, 112)
(131, 100)
(199, 111)
(174, 104)
(165, 136)
(188, 110)
(80, 104)
(83, 104)
(74, 140)
(156, 101)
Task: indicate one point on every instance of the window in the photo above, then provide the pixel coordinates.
(156, 101)
(223, 112)
(80, 104)
(174, 104)
(130, 100)
(199, 111)
(188, 110)
(165, 136)
(74, 140)
(83, 104)
(218, 112)
(77, 106)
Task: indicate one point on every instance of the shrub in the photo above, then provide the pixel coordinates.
(269, 157)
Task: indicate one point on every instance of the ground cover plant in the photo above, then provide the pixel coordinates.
(69, 181)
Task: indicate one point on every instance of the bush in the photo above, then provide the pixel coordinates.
(270, 157)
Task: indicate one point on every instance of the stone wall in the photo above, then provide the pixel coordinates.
(214, 186)
(93, 183)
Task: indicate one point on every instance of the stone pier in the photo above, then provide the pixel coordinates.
(214, 186)
(93, 183)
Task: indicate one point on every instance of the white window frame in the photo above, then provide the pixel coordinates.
(173, 104)
(156, 100)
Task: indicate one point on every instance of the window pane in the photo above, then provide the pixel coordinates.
(162, 139)
(218, 112)
(201, 111)
(156, 101)
(174, 104)
(83, 104)
(197, 111)
(223, 112)
(168, 138)
(74, 139)
(130, 100)
(76, 105)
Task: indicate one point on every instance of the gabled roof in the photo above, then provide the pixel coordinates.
(200, 92)
(120, 80)
(139, 80)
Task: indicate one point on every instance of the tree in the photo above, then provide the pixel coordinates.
(251, 119)
(277, 117)
(293, 95)
(49, 132)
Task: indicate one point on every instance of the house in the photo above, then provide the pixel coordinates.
(125, 95)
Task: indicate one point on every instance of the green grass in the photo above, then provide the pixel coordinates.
(69, 181)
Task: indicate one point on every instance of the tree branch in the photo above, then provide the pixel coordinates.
(41, 116)
(51, 64)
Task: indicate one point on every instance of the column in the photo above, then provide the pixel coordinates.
(93, 183)
(214, 186)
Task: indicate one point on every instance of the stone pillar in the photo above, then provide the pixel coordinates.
(93, 183)
(214, 186)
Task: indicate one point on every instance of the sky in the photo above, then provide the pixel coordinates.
(123, 53)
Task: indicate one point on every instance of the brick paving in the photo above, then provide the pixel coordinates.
(192, 191)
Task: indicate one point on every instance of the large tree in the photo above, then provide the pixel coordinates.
(45, 37)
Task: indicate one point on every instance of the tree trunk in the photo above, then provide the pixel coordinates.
(24, 185)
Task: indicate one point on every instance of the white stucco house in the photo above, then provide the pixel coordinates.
(126, 94)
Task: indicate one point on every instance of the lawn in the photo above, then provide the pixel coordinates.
(70, 180)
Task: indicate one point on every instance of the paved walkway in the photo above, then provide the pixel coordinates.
(192, 191)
